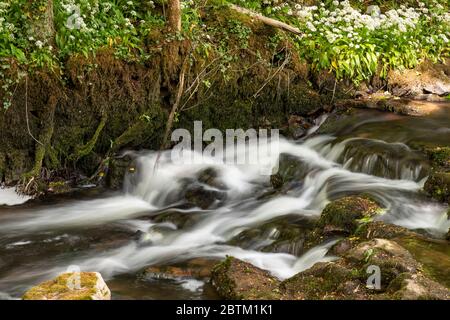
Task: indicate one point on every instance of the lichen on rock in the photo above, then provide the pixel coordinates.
(71, 286)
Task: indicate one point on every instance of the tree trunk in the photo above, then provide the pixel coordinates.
(43, 25)
(174, 16)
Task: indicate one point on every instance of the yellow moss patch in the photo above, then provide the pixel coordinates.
(61, 288)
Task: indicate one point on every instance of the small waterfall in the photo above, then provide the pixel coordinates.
(321, 168)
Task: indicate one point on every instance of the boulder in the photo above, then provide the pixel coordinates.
(343, 216)
(380, 229)
(438, 186)
(71, 286)
(416, 287)
(428, 77)
(390, 257)
(350, 277)
(236, 279)
(325, 280)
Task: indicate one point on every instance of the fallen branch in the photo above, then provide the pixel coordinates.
(268, 21)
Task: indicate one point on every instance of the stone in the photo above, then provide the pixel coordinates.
(235, 279)
(341, 216)
(438, 186)
(198, 268)
(325, 280)
(417, 287)
(71, 286)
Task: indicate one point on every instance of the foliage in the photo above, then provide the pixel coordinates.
(349, 38)
(358, 41)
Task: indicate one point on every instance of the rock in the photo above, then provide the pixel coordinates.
(380, 229)
(438, 186)
(400, 274)
(59, 187)
(276, 180)
(440, 157)
(286, 234)
(325, 280)
(210, 177)
(409, 107)
(203, 197)
(341, 216)
(417, 287)
(342, 247)
(199, 268)
(432, 254)
(298, 126)
(206, 190)
(179, 219)
(290, 170)
(236, 279)
(117, 170)
(390, 257)
(91, 286)
(428, 77)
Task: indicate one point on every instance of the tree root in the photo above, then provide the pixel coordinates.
(84, 150)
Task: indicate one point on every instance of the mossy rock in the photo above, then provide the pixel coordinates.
(380, 229)
(416, 287)
(343, 216)
(438, 186)
(325, 280)
(235, 279)
(433, 254)
(439, 156)
(389, 256)
(71, 286)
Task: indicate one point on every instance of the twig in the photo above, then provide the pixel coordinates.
(272, 76)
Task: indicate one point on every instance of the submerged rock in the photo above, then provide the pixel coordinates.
(206, 190)
(199, 268)
(203, 197)
(286, 234)
(342, 216)
(71, 286)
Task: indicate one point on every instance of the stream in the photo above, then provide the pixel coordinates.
(149, 223)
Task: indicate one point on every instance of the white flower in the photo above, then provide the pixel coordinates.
(39, 44)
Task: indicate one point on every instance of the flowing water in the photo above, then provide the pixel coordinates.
(120, 233)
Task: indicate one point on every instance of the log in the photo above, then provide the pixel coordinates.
(266, 20)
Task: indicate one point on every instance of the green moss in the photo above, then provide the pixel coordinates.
(224, 285)
(59, 288)
(433, 255)
(84, 150)
(438, 186)
(343, 214)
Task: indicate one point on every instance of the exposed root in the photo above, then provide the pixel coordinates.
(84, 150)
